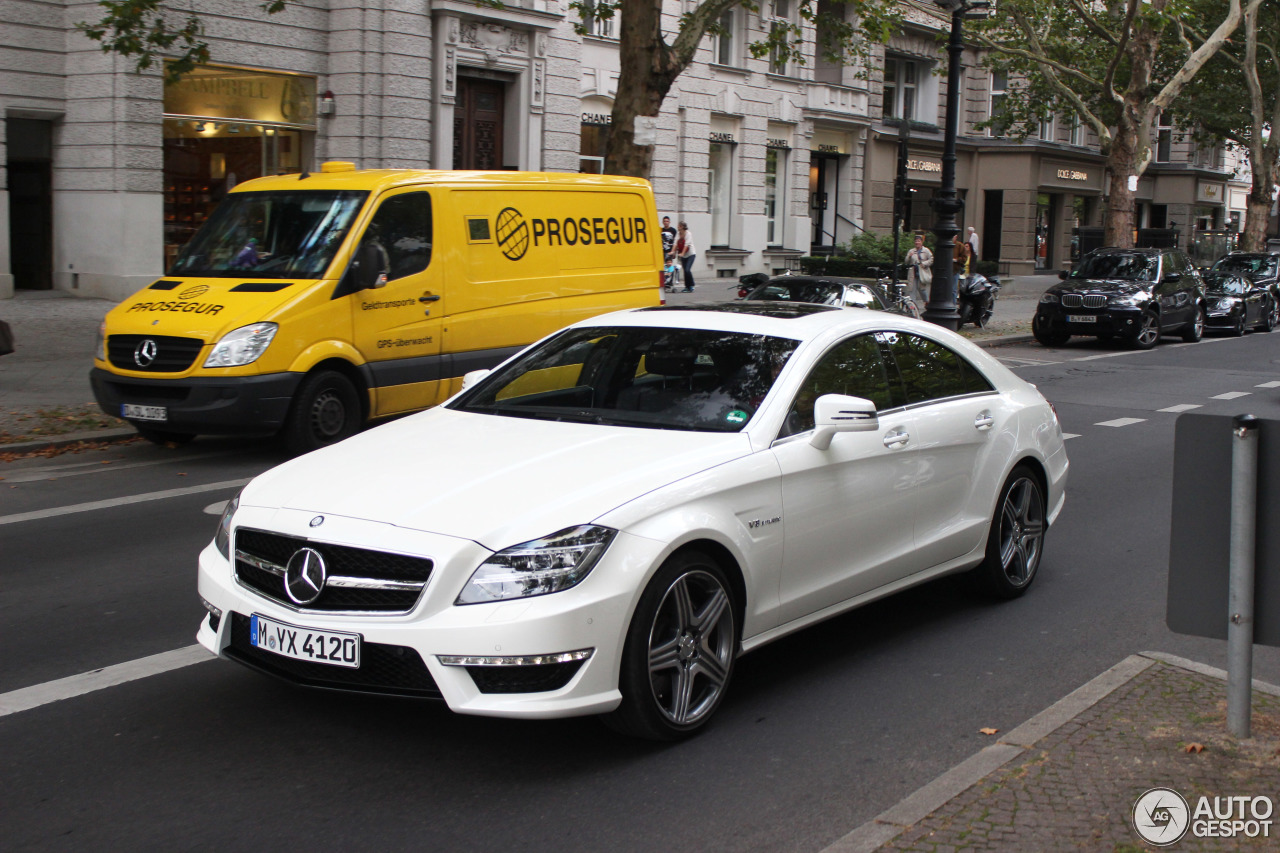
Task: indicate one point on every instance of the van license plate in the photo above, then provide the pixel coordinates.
(1081, 318)
(309, 644)
(144, 413)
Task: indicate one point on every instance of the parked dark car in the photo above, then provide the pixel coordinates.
(1135, 295)
(819, 290)
(1261, 268)
(1236, 303)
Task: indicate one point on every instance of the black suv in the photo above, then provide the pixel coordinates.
(1134, 294)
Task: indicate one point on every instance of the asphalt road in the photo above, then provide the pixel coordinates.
(821, 731)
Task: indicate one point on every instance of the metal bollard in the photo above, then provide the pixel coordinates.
(1244, 513)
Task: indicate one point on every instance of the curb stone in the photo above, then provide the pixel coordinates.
(898, 818)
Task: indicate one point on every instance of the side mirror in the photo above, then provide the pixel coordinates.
(472, 377)
(368, 267)
(833, 413)
(1062, 274)
(753, 279)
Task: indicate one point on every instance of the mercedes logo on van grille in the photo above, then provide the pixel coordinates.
(513, 233)
(145, 352)
(304, 576)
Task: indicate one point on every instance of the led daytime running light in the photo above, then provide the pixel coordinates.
(525, 660)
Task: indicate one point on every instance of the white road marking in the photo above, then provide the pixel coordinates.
(130, 499)
(1067, 435)
(1121, 422)
(1109, 355)
(76, 469)
(1275, 384)
(216, 508)
(109, 676)
(1182, 407)
(1232, 395)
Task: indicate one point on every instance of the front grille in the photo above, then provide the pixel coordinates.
(523, 679)
(360, 580)
(391, 670)
(1088, 300)
(173, 355)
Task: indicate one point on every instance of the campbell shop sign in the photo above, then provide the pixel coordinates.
(221, 92)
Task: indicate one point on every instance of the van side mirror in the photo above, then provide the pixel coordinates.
(833, 413)
(368, 267)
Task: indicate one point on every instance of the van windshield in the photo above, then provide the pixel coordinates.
(271, 235)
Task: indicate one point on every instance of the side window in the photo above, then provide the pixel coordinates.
(854, 367)
(402, 227)
(931, 371)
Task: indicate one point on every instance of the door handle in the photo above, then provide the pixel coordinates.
(428, 298)
(983, 421)
(896, 440)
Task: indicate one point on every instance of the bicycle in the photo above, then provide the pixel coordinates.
(898, 301)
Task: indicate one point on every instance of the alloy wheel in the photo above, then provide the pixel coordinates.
(1021, 531)
(691, 647)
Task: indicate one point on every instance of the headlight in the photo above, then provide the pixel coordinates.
(1124, 301)
(554, 563)
(243, 346)
(1224, 305)
(222, 537)
(100, 344)
(1050, 299)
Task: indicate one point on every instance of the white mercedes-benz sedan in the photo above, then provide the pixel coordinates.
(606, 521)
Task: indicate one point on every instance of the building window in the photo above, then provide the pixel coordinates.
(780, 28)
(1164, 138)
(1077, 130)
(775, 189)
(595, 23)
(720, 191)
(900, 82)
(1049, 129)
(726, 46)
(594, 140)
(999, 89)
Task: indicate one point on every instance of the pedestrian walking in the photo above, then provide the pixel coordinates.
(668, 237)
(958, 249)
(920, 269)
(972, 240)
(686, 252)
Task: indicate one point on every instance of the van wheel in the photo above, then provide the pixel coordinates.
(163, 437)
(325, 410)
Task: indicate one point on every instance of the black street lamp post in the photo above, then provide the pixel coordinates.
(946, 204)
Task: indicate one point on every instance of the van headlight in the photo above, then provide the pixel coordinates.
(222, 536)
(551, 564)
(242, 346)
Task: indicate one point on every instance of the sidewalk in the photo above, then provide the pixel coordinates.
(1069, 778)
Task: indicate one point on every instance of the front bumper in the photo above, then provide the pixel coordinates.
(1103, 322)
(401, 654)
(240, 405)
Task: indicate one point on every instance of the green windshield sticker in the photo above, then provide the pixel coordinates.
(737, 416)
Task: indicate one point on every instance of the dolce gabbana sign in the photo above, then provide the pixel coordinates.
(1072, 175)
(932, 166)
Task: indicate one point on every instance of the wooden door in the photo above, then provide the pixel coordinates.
(477, 124)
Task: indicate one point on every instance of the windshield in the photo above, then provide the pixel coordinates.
(271, 235)
(1226, 284)
(1244, 264)
(1117, 265)
(816, 292)
(685, 379)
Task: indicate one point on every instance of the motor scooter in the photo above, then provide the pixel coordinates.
(977, 299)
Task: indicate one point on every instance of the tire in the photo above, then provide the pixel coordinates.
(164, 437)
(1269, 317)
(1015, 542)
(966, 314)
(325, 410)
(1148, 334)
(1046, 336)
(679, 651)
(1237, 331)
(1194, 330)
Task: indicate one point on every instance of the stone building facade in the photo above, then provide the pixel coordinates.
(108, 172)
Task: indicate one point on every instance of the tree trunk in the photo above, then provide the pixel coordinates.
(1123, 160)
(1258, 209)
(646, 73)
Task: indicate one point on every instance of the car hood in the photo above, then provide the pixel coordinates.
(1122, 287)
(494, 480)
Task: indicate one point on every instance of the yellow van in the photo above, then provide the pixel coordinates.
(308, 305)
